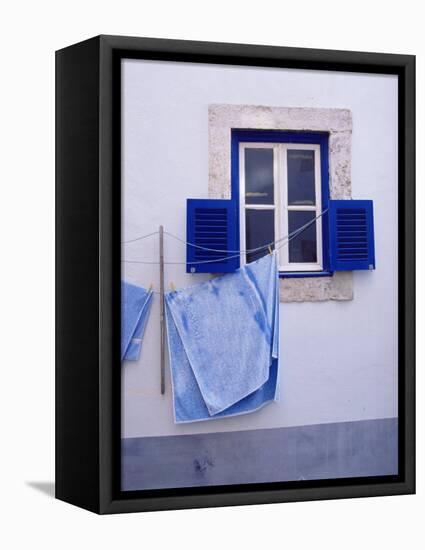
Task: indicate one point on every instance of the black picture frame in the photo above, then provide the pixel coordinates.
(88, 272)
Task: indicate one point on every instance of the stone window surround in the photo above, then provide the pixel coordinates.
(222, 118)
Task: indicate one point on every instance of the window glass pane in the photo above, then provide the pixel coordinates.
(259, 188)
(259, 226)
(302, 249)
(301, 188)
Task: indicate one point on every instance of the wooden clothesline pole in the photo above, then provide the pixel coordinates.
(161, 306)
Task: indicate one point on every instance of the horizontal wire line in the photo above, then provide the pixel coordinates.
(288, 237)
(250, 250)
(140, 238)
(223, 250)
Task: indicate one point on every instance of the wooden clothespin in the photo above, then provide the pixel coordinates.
(270, 250)
(150, 287)
(173, 288)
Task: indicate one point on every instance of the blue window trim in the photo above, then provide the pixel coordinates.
(281, 136)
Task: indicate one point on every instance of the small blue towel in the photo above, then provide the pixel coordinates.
(223, 339)
(135, 307)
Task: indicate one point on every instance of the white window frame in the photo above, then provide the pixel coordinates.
(280, 205)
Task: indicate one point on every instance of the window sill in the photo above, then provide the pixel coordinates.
(301, 274)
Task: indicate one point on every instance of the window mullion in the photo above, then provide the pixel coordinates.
(302, 208)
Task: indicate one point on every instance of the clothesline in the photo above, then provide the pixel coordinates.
(277, 244)
(236, 253)
(288, 237)
(140, 238)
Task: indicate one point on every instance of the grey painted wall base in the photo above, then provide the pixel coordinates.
(320, 451)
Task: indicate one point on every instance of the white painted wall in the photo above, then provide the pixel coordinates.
(338, 359)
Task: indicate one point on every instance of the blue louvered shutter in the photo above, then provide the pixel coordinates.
(211, 223)
(351, 235)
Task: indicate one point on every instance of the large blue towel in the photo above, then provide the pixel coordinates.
(135, 307)
(223, 339)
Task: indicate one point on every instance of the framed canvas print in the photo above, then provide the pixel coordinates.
(235, 274)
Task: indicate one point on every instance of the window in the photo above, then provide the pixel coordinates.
(282, 185)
